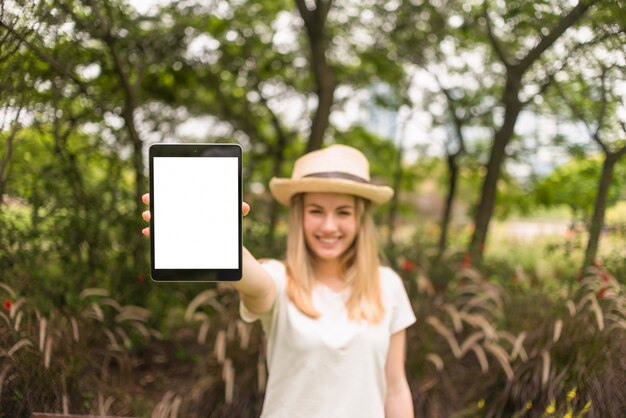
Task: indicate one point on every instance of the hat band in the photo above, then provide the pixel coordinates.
(339, 175)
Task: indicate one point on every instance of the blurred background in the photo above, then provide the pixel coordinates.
(500, 124)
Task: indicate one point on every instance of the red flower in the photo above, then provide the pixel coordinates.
(8, 303)
(141, 277)
(467, 261)
(601, 293)
(604, 276)
(408, 266)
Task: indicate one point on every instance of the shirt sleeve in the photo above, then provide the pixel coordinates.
(402, 315)
(276, 270)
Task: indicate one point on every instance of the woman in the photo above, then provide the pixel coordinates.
(334, 318)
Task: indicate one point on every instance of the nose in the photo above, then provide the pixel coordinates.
(330, 224)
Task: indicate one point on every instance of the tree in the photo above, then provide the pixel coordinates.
(551, 25)
(459, 115)
(437, 41)
(595, 97)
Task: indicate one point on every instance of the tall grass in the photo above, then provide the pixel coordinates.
(228, 377)
(483, 351)
(70, 362)
(508, 341)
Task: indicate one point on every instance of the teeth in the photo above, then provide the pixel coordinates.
(329, 240)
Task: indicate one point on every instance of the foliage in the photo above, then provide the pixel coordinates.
(575, 184)
(616, 216)
(57, 222)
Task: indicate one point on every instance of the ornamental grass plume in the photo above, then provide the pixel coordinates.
(228, 374)
(60, 360)
(521, 353)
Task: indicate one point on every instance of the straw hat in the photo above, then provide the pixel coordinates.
(335, 169)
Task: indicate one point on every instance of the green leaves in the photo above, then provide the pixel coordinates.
(575, 184)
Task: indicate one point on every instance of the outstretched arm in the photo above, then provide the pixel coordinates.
(256, 287)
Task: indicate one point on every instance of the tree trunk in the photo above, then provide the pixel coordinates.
(279, 159)
(484, 211)
(453, 168)
(5, 164)
(315, 21)
(513, 107)
(137, 244)
(393, 207)
(325, 95)
(597, 220)
(75, 181)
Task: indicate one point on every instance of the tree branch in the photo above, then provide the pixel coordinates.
(458, 122)
(495, 42)
(604, 101)
(6, 49)
(307, 15)
(565, 23)
(324, 7)
(47, 58)
(280, 132)
(575, 110)
(547, 82)
(594, 134)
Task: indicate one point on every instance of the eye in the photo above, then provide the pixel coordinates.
(314, 211)
(345, 213)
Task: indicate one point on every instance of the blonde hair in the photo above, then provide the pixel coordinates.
(359, 265)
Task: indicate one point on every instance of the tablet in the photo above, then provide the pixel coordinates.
(195, 202)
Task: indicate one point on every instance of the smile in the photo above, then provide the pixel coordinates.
(328, 241)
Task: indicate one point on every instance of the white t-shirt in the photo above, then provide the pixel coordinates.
(331, 366)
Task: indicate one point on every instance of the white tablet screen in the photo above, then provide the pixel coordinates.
(196, 215)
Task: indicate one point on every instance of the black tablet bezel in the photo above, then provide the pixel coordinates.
(194, 150)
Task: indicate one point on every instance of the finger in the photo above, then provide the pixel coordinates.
(146, 231)
(146, 198)
(245, 208)
(146, 215)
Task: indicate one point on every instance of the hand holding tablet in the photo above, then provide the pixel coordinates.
(195, 212)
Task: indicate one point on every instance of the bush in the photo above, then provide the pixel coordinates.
(483, 351)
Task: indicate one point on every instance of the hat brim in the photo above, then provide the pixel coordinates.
(284, 189)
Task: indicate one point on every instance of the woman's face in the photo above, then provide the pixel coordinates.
(329, 223)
